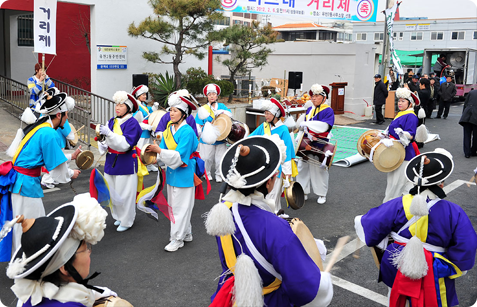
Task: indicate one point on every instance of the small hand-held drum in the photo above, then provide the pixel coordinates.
(230, 130)
(307, 240)
(112, 301)
(385, 159)
(154, 118)
(325, 150)
(148, 157)
(74, 141)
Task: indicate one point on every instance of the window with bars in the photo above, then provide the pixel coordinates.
(25, 30)
(398, 35)
(475, 34)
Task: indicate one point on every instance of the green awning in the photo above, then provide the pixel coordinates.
(412, 58)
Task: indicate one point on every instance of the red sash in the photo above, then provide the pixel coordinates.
(414, 145)
(116, 152)
(421, 292)
(32, 172)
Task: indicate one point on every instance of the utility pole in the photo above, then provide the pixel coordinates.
(384, 57)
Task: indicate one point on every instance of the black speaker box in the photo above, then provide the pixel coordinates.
(295, 79)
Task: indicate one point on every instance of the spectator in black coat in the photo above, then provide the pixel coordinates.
(413, 84)
(434, 89)
(424, 94)
(447, 93)
(379, 98)
(469, 122)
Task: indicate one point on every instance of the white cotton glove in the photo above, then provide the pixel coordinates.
(303, 124)
(325, 292)
(286, 182)
(404, 137)
(398, 130)
(155, 106)
(107, 293)
(381, 135)
(102, 147)
(387, 142)
(145, 126)
(104, 130)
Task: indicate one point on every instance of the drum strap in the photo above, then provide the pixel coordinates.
(231, 256)
(27, 138)
(143, 108)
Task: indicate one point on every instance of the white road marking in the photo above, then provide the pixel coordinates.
(454, 185)
(51, 190)
(371, 295)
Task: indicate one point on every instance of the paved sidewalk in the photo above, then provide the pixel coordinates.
(9, 124)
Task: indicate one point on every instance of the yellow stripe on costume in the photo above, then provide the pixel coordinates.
(141, 168)
(267, 129)
(312, 111)
(169, 138)
(294, 168)
(231, 259)
(211, 113)
(143, 108)
(27, 138)
(442, 284)
(402, 113)
(31, 85)
(422, 223)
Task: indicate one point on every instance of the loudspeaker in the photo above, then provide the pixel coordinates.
(295, 79)
(140, 79)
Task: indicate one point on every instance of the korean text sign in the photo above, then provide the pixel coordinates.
(44, 26)
(111, 57)
(354, 10)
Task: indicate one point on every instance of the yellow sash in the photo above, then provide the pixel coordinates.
(402, 113)
(209, 109)
(267, 129)
(27, 138)
(143, 107)
(141, 168)
(231, 259)
(169, 138)
(312, 114)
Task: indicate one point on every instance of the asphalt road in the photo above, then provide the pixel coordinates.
(135, 265)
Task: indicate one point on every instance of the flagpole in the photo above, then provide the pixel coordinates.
(382, 71)
(43, 67)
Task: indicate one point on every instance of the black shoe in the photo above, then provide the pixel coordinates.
(445, 117)
(380, 123)
(467, 156)
(437, 117)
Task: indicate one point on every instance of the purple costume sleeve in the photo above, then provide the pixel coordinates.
(274, 239)
(167, 117)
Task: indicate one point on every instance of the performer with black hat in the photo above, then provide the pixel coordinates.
(434, 241)
(140, 93)
(211, 153)
(51, 266)
(274, 110)
(263, 261)
(34, 147)
(404, 129)
(178, 144)
(123, 169)
(308, 172)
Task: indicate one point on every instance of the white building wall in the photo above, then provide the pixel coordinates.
(447, 26)
(109, 23)
(321, 62)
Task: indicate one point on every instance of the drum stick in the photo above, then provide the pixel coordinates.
(338, 248)
(79, 129)
(356, 253)
(471, 181)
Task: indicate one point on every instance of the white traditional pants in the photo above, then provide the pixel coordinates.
(318, 176)
(182, 202)
(397, 184)
(212, 154)
(31, 208)
(126, 187)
